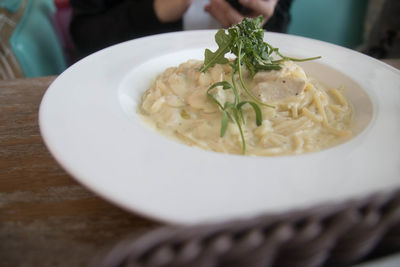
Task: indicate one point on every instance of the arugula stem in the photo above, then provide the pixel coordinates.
(235, 86)
(243, 140)
(284, 58)
(236, 94)
(242, 81)
(237, 120)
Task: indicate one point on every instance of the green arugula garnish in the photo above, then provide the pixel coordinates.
(236, 114)
(246, 42)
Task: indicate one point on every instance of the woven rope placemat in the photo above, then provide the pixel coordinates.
(326, 235)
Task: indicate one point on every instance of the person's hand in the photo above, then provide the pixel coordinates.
(228, 16)
(171, 10)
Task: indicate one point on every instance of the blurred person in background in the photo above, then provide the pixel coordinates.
(97, 24)
(382, 29)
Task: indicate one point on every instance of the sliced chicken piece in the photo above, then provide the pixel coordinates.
(264, 76)
(279, 89)
(271, 86)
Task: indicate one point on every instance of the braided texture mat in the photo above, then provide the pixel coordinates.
(327, 235)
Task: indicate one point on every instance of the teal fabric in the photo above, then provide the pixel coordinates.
(35, 42)
(336, 21)
(10, 5)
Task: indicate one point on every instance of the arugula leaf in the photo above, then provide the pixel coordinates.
(225, 85)
(224, 122)
(256, 108)
(233, 111)
(224, 42)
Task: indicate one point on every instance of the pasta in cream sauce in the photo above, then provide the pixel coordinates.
(307, 116)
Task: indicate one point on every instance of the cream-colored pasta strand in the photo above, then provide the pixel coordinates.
(337, 109)
(338, 132)
(294, 110)
(309, 91)
(330, 115)
(338, 96)
(311, 115)
(293, 126)
(298, 142)
(320, 108)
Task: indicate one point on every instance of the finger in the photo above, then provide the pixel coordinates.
(181, 6)
(223, 12)
(231, 13)
(265, 8)
(216, 11)
(168, 11)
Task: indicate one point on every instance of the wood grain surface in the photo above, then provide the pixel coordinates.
(46, 218)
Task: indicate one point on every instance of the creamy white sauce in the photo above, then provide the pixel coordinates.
(306, 115)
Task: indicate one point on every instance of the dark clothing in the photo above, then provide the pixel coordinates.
(280, 21)
(97, 24)
(383, 41)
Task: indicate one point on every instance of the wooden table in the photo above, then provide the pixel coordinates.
(46, 218)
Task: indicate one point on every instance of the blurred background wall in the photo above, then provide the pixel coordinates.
(34, 37)
(337, 21)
